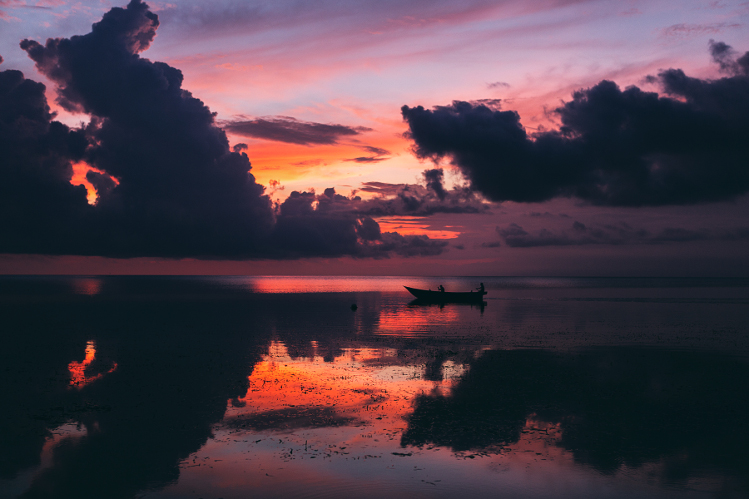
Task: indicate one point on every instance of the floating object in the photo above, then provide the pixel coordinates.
(354, 307)
(447, 296)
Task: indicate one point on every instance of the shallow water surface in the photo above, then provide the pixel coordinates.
(274, 387)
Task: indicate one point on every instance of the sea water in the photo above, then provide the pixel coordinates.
(238, 386)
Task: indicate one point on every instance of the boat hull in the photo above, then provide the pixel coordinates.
(445, 296)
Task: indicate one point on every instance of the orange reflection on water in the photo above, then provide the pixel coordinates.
(87, 286)
(362, 386)
(418, 320)
(305, 424)
(78, 378)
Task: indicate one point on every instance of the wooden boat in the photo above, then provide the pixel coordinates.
(446, 296)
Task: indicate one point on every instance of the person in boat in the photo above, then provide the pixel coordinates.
(441, 288)
(481, 288)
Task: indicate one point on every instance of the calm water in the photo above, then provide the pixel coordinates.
(233, 387)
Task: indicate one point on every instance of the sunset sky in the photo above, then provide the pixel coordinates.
(461, 138)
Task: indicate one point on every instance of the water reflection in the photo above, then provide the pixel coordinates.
(86, 285)
(178, 361)
(80, 372)
(614, 406)
(191, 388)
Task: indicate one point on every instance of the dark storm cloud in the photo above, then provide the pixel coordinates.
(37, 201)
(435, 182)
(580, 234)
(168, 183)
(182, 191)
(615, 147)
(291, 130)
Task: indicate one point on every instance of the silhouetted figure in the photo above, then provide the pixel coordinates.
(481, 288)
(441, 288)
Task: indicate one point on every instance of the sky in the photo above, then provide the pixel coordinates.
(478, 137)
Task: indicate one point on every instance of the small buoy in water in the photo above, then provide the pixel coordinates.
(354, 307)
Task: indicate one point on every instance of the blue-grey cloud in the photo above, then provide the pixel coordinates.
(580, 234)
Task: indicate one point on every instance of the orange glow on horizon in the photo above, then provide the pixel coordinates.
(414, 226)
(321, 166)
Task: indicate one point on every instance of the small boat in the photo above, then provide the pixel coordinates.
(446, 296)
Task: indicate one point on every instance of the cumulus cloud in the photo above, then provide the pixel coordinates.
(182, 191)
(291, 130)
(330, 224)
(169, 184)
(580, 234)
(417, 199)
(37, 201)
(333, 224)
(615, 147)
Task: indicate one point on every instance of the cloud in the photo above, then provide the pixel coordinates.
(614, 147)
(685, 30)
(434, 180)
(339, 226)
(580, 234)
(416, 199)
(376, 150)
(37, 201)
(169, 185)
(330, 224)
(366, 159)
(545, 214)
(291, 130)
(378, 155)
(497, 84)
(182, 191)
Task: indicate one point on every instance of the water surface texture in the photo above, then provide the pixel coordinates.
(233, 387)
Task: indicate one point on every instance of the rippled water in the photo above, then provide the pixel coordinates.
(274, 387)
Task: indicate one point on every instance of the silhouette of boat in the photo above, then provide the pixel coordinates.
(429, 296)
